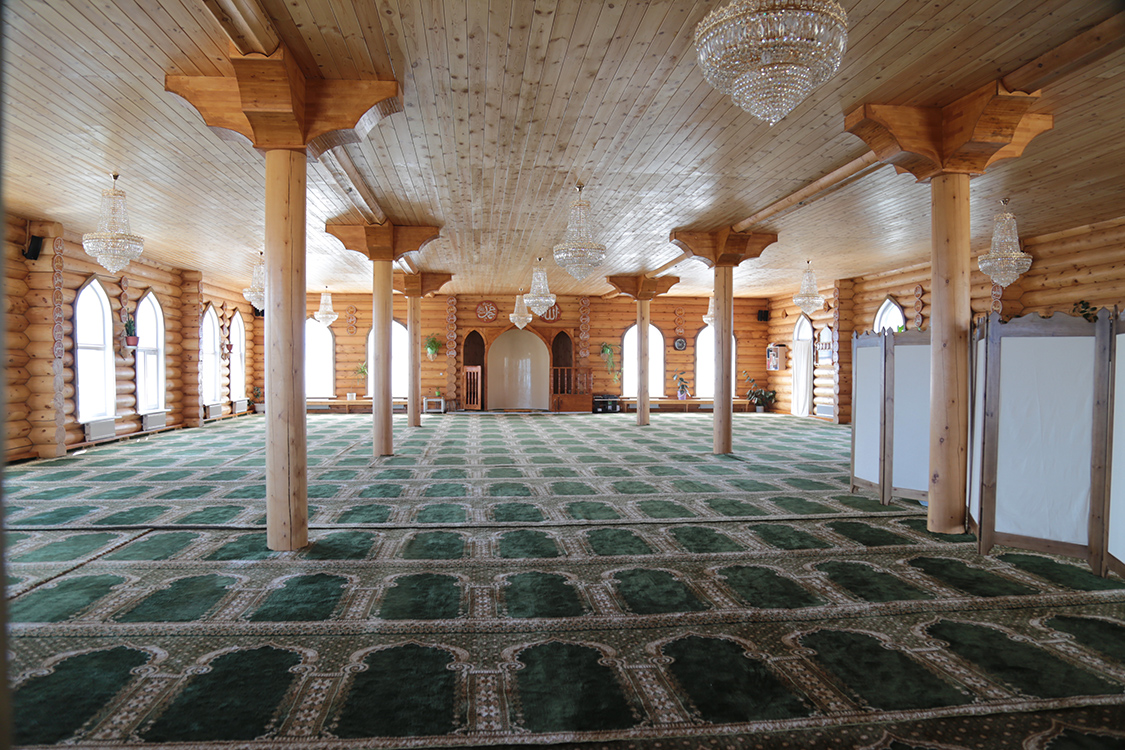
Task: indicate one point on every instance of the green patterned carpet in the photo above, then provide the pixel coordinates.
(531, 579)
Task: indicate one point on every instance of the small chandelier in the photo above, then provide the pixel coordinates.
(326, 314)
(709, 316)
(539, 299)
(1006, 261)
(770, 54)
(255, 294)
(113, 245)
(807, 298)
(521, 316)
(578, 252)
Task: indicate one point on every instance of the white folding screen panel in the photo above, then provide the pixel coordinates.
(867, 410)
(1115, 512)
(976, 425)
(908, 413)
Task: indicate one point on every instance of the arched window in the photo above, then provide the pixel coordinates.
(237, 357)
(629, 384)
(209, 357)
(93, 340)
(400, 360)
(802, 367)
(890, 316)
(320, 360)
(705, 364)
(150, 355)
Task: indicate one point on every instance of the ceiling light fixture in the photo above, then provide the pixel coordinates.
(326, 315)
(113, 245)
(769, 55)
(578, 252)
(1006, 261)
(255, 294)
(521, 316)
(539, 299)
(807, 297)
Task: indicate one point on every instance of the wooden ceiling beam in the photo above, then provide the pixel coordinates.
(425, 284)
(1069, 57)
(723, 247)
(343, 170)
(642, 287)
(247, 24)
(385, 242)
(684, 255)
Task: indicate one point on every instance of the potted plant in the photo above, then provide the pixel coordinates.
(258, 400)
(760, 397)
(607, 355)
(131, 337)
(432, 344)
(360, 373)
(682, 391)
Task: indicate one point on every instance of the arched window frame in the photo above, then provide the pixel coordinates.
(94, 357)
(237, 356)
(400, 359)
(890, 316)
(705, 364)
(803, 329)
(320, 360)
(656, 375)
(149, 359)
(210, 357)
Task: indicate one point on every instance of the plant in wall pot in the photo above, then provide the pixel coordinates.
(360, 373)
(131, 338)
(760, 397)
(432, 345)
(682, 391)
(258, 400)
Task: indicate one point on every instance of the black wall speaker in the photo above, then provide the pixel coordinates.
(763, 316)
(259, 313)
(34, 247)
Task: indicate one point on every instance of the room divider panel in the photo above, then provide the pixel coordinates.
(868, 425)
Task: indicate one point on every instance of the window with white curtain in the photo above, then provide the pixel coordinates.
(210, 358)
(802, 364)
(237, 357)
(94, 359)
(629, 385)
(150, 355)
(705, 365)
(890, 316)
(320, 360)
(400, 360)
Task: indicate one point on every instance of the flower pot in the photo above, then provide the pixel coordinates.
(351, 397)
(759, 408)
(132, 340)
(260, 408)
(681, 395)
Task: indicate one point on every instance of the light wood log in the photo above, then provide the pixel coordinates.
(382, 317)
(1108, 290)
(414, 388)
(643, 315)
(722, 437)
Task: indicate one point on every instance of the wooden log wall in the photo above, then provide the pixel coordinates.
(18, 364)
(1086, 264)
(227, 303)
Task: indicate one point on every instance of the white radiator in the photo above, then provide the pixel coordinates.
(154, 421)
(240, 405)
(212, 411)
(100, 430)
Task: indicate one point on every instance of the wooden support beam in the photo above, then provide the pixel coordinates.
(723, 414)
(425, 284)
(414, 387)
(1069, 57)
(723, 247)
(247, 24)
(381, 319)
(351, 181)
(387, 242)
(642, 287)
(684, 255)
(644, 316)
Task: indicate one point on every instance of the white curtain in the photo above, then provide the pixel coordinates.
(802, 378)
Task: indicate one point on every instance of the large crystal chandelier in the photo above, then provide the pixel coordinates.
(521, 316)
(770, 54)
(255, 294)
(325, 314)
(1006, 261)
(807, 297)
(539, 299)
(578, 252)
(113, 245)
(709, 316)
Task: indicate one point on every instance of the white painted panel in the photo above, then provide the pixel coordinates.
(977, 456)
(867, 374)
(1045, 434)
(518, 372)
(911, 450)
(1116, 521)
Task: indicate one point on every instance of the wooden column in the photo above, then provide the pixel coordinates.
(724, 332)
(286, 440)
(949, 352)
(643, 318)
(414, 330)
(381, 315)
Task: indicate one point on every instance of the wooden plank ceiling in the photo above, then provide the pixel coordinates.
(509, 102)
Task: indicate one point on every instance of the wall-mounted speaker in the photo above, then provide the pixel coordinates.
(763, 316)
(34, 247)
(259, 313)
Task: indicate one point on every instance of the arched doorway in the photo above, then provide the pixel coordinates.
(518, 371)
(802, 367)
(571, 387)
(474, 395)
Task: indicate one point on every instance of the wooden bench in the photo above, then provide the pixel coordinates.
(684, 404)
(348, 406)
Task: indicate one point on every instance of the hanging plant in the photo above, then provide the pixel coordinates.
(608, 356)
(432, 345)
(361, 373)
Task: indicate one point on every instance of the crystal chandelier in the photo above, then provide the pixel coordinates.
(255, 294)
(709, 316)
(807, 298)
(539, 299)
(578, 252)
(326, 314)
(770, 54)
(521, 316)
(112, 245)
(1006, 261)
